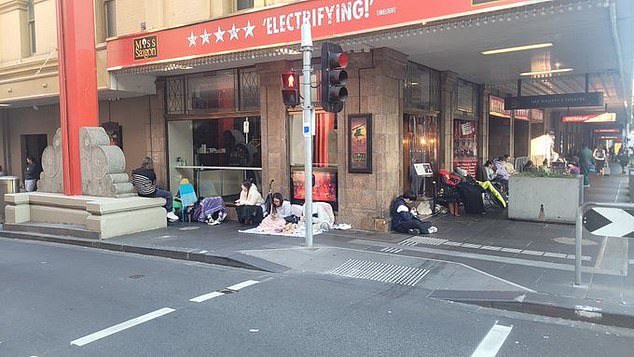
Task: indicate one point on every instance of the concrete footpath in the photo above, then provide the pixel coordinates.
(485, 260)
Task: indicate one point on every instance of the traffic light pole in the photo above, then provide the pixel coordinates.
(309, 112)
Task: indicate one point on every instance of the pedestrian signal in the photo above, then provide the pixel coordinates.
(290, 89)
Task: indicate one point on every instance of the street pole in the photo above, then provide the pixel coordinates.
(307, 51)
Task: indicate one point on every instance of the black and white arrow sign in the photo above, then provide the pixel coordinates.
(610, 222)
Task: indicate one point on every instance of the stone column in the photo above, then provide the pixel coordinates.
(375, 86)
(156, 137)
(483, 130)
(275, 128)
(448, 89)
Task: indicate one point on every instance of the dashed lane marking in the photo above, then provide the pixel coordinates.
(414, 241)
(386, 273)
(391, 250)
(206, 297)
(120, 327)
(242, 285)
(493, 341)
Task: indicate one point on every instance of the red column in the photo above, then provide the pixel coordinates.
(77, 82)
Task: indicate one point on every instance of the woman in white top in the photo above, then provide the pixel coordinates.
(599, 159)
(249, 205)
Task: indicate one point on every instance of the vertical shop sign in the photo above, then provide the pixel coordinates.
(360, 143)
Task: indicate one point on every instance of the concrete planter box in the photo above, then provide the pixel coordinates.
(559, 196)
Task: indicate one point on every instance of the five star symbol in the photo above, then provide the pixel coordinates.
(233, 32)
(248, 29)
(220, 35)
(192, 39)
(205, 37)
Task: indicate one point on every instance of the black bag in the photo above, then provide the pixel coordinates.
(291, 219)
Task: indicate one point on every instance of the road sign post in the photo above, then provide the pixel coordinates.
(308, 129)
(602, 219)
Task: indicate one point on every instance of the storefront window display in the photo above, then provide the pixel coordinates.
(324, 159)
(420, 145)
(214, 131)
(465, 146)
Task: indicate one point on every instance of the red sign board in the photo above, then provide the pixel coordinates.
(537, 116)
(590, 118)
(280, 25)
(521, 114)
(496, 107)
(609, 131)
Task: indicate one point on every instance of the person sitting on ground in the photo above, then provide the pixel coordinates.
(404, 221)
(529, 166)
(490, 170)
(275, 221)
(144, 181)
(508, 165)
(545, 168)
(501, 175)
(573, 169)
(249, 205)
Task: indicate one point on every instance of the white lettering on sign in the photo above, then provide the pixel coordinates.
(389, 10)
(324, 15)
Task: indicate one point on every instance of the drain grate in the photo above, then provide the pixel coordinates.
(386, 273)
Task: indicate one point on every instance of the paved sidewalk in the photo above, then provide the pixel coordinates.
(488, 260)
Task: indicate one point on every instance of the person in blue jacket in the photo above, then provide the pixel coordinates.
(404, 219)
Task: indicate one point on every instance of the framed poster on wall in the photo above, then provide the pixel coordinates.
(360, 143)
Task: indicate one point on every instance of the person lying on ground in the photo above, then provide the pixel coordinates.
(404, 221)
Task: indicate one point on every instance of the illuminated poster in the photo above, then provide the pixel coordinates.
(324, 189)
(360, 143)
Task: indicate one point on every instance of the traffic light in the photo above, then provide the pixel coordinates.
(333, 77)
(290, 89)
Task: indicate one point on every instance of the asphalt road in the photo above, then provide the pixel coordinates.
(72, 301)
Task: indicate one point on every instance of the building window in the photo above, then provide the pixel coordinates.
(224, 91)
(466, 100)
(216, 93)
(30, 13)
(422, 88)
(175, 98)
(244, 4)
(249, 89)
(109, 18)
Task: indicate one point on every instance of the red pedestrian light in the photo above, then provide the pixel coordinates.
(290, 89)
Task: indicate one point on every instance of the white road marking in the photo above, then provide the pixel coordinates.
(391, 250)
(473, 246)
(493, 341)
(242, 285)
(120, 327)
(511, 250)
(206, 297)
(532, 252)
(490, 247)
(555, 255)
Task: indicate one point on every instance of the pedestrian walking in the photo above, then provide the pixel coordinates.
(585, 160)
(599, 157)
